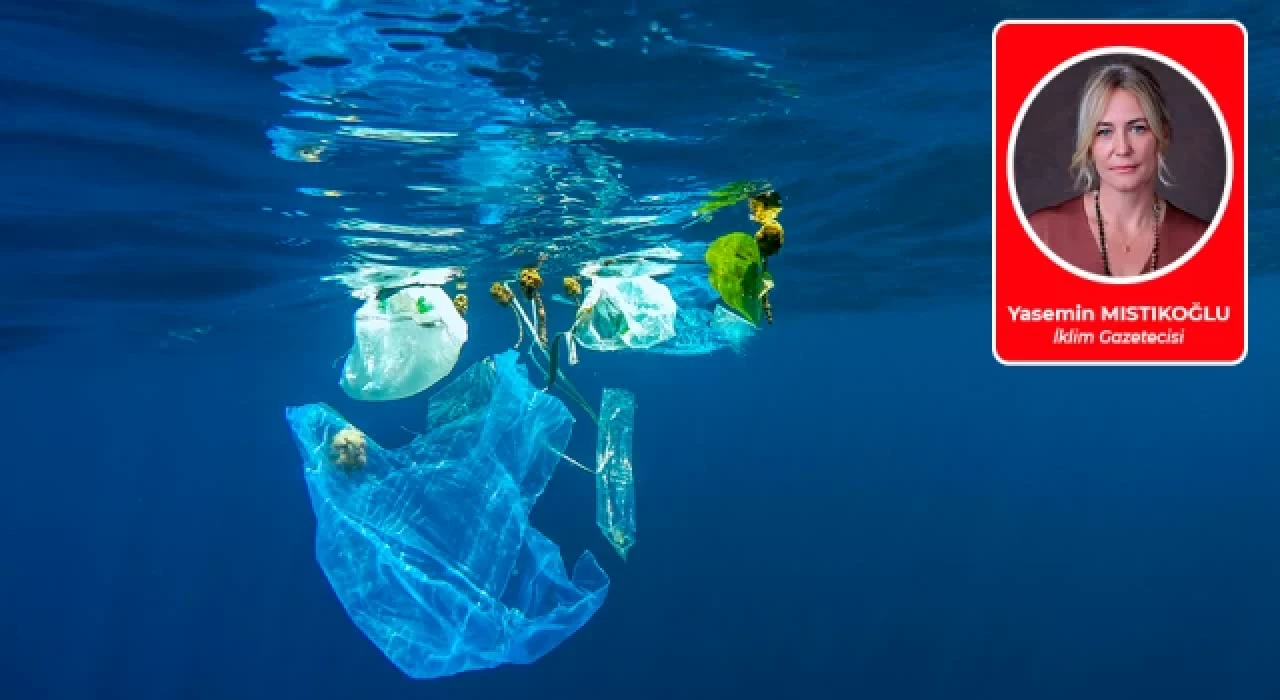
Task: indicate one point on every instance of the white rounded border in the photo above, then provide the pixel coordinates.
(1222, 130)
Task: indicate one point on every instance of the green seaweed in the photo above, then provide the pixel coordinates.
(727, 196)
(737, 273)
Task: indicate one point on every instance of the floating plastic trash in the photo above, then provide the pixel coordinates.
(706, 331)
(615, 487)
(703, 326)
(626, 313)
(403, 344)
(429, 546)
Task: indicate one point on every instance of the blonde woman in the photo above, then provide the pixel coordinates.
(1119, 226)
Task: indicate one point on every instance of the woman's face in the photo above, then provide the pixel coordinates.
(1124, 147)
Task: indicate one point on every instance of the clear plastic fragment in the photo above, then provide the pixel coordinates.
(615, 486)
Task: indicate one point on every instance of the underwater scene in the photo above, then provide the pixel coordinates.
(581, 349)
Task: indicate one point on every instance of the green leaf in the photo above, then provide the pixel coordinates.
(737, 273)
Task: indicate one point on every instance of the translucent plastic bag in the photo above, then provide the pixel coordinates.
(615, 484)
(626, 313)
(703, 326)
(429, 547)
(403, 344)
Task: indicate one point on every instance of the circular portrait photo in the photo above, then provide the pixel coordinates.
(1119, 166)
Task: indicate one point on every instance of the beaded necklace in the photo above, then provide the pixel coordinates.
(1102, 236)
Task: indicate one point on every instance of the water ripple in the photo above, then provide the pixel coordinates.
(446, 109)
(170, 164)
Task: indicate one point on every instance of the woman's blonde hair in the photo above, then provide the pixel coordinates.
(1097, 89)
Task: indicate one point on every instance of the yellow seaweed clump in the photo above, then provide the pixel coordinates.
(501, 293)
(349, 450)
(573, 289)
(530, 281)
(461, 304)
(765, 208)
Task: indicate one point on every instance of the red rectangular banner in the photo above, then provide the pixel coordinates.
(1119, 191)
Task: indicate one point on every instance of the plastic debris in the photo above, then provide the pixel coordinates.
(703, 326)
(615, 487)
(429, 547)
(626, 313)
(403, 344)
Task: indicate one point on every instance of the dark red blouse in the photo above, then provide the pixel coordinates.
(1064, 228)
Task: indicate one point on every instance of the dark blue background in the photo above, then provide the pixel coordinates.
(894, 515)
(864, 505)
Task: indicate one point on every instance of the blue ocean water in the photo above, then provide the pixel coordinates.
(862, 504)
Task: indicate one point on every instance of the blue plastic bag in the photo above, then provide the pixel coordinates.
(429, 547)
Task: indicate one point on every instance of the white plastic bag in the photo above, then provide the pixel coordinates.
(626, 313)
(403, 344)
